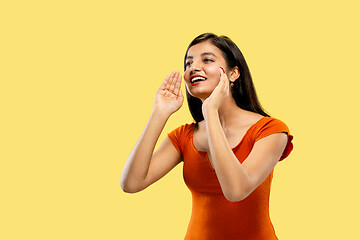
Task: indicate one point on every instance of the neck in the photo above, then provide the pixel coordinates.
(230, 113)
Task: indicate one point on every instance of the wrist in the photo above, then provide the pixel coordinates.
(209, 110)
(160, 113)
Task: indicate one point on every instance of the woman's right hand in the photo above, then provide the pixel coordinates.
(169, 97)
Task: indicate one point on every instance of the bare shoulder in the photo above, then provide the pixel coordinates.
(246, 119)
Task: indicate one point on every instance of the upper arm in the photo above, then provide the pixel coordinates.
(263, 157)
(165, 158)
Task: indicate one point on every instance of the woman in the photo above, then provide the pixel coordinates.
(229, 153)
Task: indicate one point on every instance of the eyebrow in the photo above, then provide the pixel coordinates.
(203, 54)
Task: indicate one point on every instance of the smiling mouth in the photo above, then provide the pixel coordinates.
(197, 80)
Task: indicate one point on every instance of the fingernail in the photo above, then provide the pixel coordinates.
(222, 69)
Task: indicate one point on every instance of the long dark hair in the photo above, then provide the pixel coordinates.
(243, 90)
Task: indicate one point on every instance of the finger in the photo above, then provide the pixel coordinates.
(180, 93)
(164, 83)
(222, 73)
(222, 70)
(224, 76)
(224, 83)
(168, 84)
(173, 82)
(170, 80)
(227, 85)
(177, 85)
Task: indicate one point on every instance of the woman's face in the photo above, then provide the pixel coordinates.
(202, 72)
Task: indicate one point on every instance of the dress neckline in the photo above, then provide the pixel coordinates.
(236, 146)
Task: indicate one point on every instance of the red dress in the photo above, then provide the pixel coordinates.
(213, 216)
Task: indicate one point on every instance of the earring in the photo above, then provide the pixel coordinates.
(231, 84)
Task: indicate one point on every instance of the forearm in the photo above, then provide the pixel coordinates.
(138, 162)
(233, 177)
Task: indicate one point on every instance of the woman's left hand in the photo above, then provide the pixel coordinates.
(218, 96)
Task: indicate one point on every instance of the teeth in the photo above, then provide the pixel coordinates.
(197, 79)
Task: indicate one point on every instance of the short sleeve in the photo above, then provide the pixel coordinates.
(179, 137)
(276, 126)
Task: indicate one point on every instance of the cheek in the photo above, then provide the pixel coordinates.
(186, 75)
(214, 71)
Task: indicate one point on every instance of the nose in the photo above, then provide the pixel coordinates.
(195, 67)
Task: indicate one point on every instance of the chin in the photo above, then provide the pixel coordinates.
(202, 95)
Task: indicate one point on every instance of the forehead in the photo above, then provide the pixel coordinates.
(204, 47)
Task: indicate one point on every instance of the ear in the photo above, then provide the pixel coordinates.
(234, 74)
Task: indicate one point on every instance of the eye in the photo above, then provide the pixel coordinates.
(187, 64)
(207, 60)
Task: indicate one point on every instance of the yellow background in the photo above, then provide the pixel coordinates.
(78, 80)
